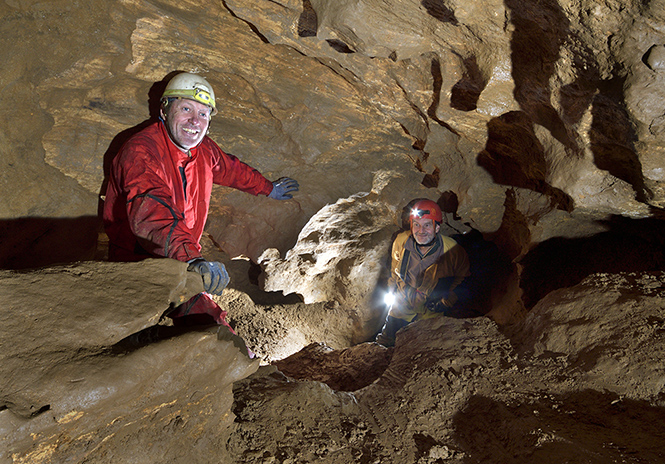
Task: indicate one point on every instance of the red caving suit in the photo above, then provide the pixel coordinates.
(158, 197)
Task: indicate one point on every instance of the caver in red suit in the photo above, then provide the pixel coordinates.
(158, 193)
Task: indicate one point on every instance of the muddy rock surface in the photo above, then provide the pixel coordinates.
(572, 383)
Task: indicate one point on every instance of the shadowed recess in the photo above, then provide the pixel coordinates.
(339, 46)
(30, 243)
(465, 93)
(490, 271)
(630, 245)
(432, 180)
(438, 10)
(308, 21)
(437, 85)
(349, 369)
(541, 28)
(612, 137)
(514, 156)
(449, 203)
(587, 426)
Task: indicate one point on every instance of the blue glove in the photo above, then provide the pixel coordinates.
(215, 277)
(282, 187)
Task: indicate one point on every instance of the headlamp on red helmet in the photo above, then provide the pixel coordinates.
(426, 209)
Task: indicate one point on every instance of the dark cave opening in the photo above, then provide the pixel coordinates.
(34, 242)
(308, 22)
(629, 245)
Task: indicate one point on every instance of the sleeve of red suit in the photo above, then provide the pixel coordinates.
(232, 172)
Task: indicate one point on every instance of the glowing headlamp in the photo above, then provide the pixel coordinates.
(419, 213)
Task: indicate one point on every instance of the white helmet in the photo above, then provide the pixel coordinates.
(193, 87)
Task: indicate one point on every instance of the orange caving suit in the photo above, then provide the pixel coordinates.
(158, 198)
(415, 279)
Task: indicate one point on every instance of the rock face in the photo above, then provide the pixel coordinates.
(47, 312)
(537, 126)
(81, 381)
(558, 99)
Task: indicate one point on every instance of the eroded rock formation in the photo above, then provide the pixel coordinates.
(537, 126)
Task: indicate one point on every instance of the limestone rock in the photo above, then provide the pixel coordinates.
(166, 402)
(338, 254)
(542, 120)
(55, 318)
(624, 313)
(87, 374)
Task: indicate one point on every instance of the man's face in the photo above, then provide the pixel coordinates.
(423, 230)
(187, 122)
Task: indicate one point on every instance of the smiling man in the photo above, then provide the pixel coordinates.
(158, 194)
(426, 267)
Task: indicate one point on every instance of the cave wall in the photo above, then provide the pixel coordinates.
(542, 120)
(537, 125)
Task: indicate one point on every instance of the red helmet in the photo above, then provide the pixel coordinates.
(426, 209)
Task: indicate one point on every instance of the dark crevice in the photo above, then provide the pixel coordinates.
(466, 92)
(629, 245)
(438, 10)
(648, 60)
(42, 409)
(308, 21)
(490, 271)
(432, 180)
(419, 144)
(437, 84)
(348, 369)
(613, 139)
(254, 29)
(449, 203)
(157, 333)
(30, 243)
(339, 46)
